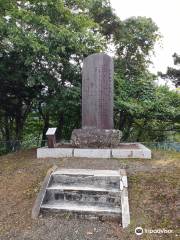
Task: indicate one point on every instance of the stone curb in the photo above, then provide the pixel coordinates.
(36, 207)
(124, 199)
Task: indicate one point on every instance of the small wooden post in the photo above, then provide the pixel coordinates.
(51, 137)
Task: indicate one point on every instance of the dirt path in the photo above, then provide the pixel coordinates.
(153, 196)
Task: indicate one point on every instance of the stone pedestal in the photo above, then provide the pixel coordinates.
(95, 138)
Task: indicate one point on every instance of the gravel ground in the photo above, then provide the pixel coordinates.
(56, 228)
(153, 196)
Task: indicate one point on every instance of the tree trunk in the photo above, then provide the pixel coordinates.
(140, 132)
(19, 121)
(126, 125)
(60, 126)
(122, 120)
(45, 128)
(7, 133)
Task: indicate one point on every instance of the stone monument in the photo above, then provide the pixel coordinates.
(97, 138)
(97, 104)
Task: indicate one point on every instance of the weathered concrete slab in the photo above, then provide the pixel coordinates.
(54, 152)
(86, 179)
(87, 172)
(92, 153)
(140, 151)
(79, 188)
(75, 207)
(146, 151)
(122, 153)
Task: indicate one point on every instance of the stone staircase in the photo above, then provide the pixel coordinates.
(86, 192)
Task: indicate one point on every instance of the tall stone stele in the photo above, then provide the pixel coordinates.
(97, 105)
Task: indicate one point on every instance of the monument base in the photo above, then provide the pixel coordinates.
(124, 150)
(95, 138)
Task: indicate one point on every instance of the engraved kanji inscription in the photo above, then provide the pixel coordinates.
(97, 92)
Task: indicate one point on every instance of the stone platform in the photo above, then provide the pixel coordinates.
(124, 150)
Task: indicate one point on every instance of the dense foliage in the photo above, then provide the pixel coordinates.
(42, 47)
(173, 73)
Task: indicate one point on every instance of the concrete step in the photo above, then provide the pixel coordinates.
(81, 208)
(83, 194)
(95, 178)
(86, 191)
(87, 172)
(81, 188)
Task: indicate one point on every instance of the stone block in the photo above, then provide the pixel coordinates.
(146, 151)
(54, 152)
(92, 153)
(122, 153)
(95, 138)
(140, 152)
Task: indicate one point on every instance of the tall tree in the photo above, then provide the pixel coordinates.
(134, 84)
(43, 44)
